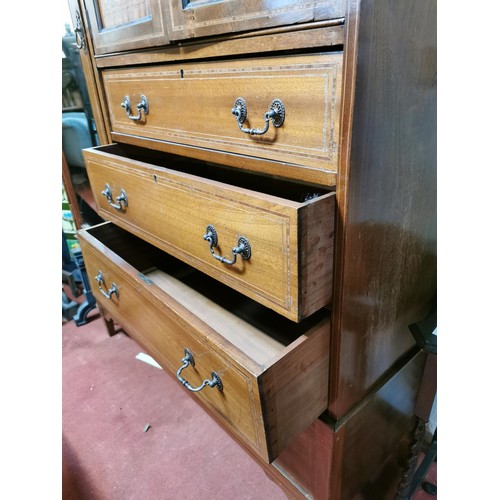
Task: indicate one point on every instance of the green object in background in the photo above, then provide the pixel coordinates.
(72, 244)
(68, 222)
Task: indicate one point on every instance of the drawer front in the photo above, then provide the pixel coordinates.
(254, 402)
(289, 266)
(190, 105)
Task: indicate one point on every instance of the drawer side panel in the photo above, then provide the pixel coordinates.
(316, 230)
(294, 389)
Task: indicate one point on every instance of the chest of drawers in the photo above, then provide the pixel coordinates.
(267, 174)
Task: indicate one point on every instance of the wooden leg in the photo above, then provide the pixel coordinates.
(108, 321)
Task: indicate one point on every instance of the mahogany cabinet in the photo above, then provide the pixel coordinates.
(267, 174)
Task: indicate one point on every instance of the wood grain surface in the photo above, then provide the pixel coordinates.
(126, 24)
(319, 34)
(190, 105)
(291, 241)
(261, 399)
(91, 74)
(386, 193)
(364, 455)
(192, 18)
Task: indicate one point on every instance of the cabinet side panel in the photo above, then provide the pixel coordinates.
(365, 455)
(376, 438)
(311, 460)
(316, 233)
(388, 278)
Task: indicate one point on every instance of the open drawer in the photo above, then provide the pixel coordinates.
(262, 376)
(200, 213)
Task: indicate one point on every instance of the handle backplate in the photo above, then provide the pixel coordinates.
(79, 34)
(122, 200)
(187, 360)
(142, 106)
(243, 247)
(275, 115)
(107, 293)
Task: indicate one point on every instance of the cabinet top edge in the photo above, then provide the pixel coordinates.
(297, 37)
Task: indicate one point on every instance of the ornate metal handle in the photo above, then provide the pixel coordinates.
(121, 199)
(244, 249)
(142, 107)
(79, 34)
(100, 280)
(187, 360)
(276, 114)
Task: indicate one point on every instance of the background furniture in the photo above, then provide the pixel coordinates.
(73, 265)
(425, 334)
(337, 178)
(78, 132)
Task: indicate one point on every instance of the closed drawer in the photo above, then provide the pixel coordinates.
(289, 264)
(272, 373)
(189, 112)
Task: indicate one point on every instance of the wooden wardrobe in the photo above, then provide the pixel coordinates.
(267, 174)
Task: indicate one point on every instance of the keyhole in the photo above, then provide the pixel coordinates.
(182, 73)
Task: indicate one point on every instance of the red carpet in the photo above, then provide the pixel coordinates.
(108, 399)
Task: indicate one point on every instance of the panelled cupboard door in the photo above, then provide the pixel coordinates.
(196, 18)
(119, 25)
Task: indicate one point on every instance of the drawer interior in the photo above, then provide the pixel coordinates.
(270, 185)
(260, 333)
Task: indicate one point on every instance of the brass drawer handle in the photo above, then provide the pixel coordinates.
(100, 280)
(187, 360)
(276, 114)
(142, 107)
(79, 34)
(121, 199)
(244, 249)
